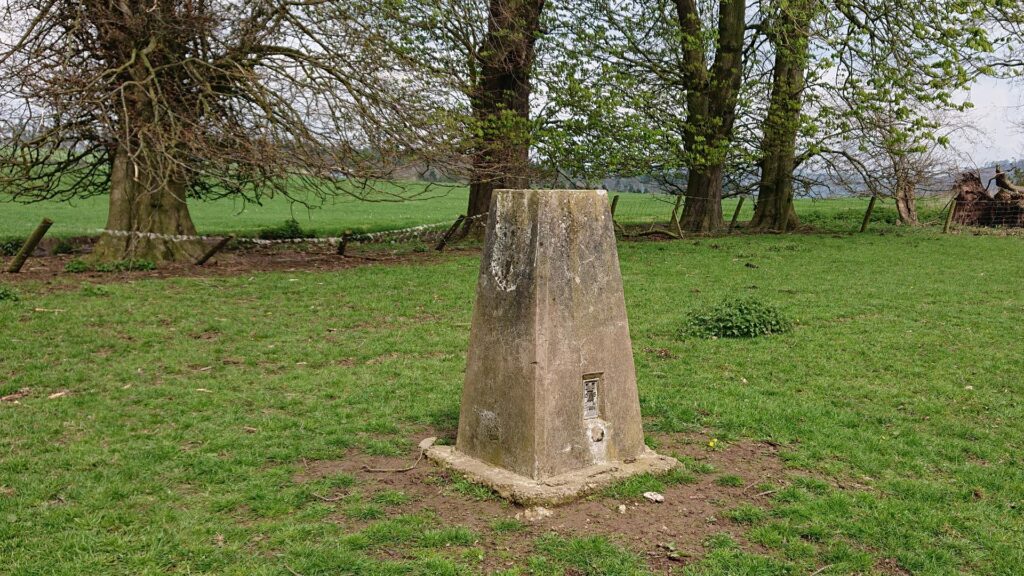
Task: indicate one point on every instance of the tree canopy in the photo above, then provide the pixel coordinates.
(155, 102)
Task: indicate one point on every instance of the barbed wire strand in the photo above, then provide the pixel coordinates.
(395, 235)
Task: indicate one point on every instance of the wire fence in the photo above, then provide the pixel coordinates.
(439, 233)
(643, 214)
(646, 213)
(996, 212)
(421, 232)
(640, 214)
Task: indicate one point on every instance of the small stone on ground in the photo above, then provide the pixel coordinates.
(535, 514)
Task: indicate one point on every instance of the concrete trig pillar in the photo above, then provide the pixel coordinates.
(549, 408)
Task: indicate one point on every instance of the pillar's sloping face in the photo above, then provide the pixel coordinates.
(550, 383)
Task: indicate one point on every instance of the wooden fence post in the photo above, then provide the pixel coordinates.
(736, 214)
(29, 246)
(867, 214)
(949, 216)
(615, 203)
(675, 210)
(214, 249)
(448, 235)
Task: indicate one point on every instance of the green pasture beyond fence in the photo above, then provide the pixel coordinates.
(340, 215)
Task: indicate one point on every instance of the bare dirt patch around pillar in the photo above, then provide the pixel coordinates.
(697, 502)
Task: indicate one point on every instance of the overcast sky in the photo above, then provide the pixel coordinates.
(999, 115)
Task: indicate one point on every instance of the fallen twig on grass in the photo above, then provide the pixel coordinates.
(424, 444)
(379, 470)
(363, 258)
(15, 396)
(653, 232)
(326, 499)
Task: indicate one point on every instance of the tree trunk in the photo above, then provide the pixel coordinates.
(498, 164)
(144, 201)
(774, 210)
(903, 190)
(711, 108)
(906, 205)
(501, 103)
(702, 211)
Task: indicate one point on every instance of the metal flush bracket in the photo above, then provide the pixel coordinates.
(590, 392)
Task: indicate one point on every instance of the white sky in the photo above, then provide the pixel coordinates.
(998, 116)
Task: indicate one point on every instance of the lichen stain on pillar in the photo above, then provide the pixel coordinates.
(550, 394)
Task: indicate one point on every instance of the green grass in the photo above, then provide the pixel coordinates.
(502, 525)
(193, 403)
(439, 203)
(633, 488)
(391, 498)
(593, 556)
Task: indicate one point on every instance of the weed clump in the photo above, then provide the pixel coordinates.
(126, 266)
(287, 231)
(77, 266)
(94, 290)
(64, 246)
(740, 318)
(8, 294)
(10, 246)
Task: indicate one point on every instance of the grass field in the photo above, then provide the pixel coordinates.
(438, 204)
(192, 404)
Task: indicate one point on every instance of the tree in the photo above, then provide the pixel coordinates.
(788, 30)
(711, 107)
(1005, 19)
(159, 101)
(482, 52)
(500, 100)
(651, 87)
(868, 55)
(883, 157)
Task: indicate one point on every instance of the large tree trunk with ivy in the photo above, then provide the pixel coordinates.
(790, 35)
(147, 207)
(497, 164)
(501, 102)
(711, 108)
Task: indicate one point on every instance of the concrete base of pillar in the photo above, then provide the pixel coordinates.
(551, 491)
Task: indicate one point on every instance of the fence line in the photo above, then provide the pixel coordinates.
(988, 213)
(653, 213)
(638, 214)
(647, 213)
(396, 235)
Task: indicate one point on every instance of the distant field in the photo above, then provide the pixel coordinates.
(336, 215)
(438, 204)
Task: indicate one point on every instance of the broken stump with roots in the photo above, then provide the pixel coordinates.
(973, 206)
(550, 410)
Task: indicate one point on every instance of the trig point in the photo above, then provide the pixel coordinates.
(549, 409)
